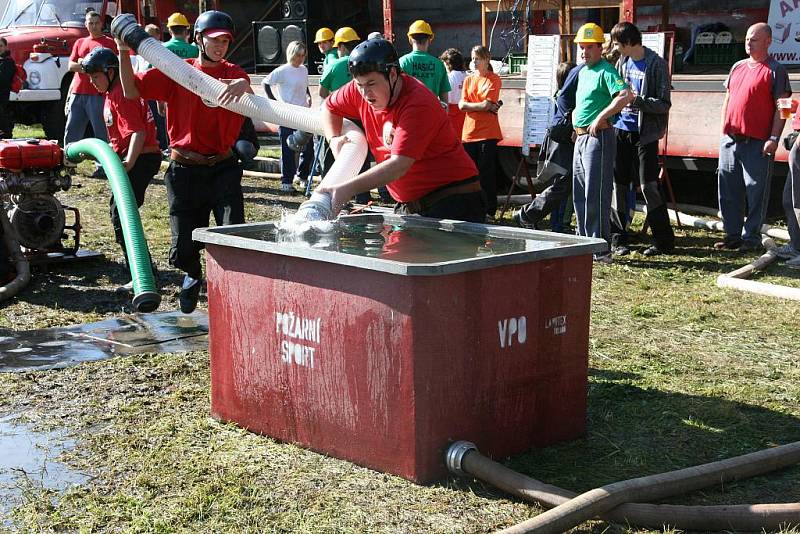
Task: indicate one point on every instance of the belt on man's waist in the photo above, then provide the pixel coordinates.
(470, 185)
(583, 131)
(739, 138)
(189, 157)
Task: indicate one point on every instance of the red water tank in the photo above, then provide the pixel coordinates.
(20, 154)
(388, 369)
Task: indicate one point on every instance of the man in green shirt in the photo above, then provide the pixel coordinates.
(601, 94)
(337, 73)
(423, 66)
(178, 27)
(324, 41)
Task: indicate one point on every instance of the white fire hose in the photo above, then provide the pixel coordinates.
(347, 164)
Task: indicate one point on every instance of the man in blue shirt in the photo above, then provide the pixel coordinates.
(639, 127)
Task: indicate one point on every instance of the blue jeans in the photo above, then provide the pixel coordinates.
(744, 174)
(161, 125)
(81, 110)
(791, 198)
(288, 166)
(593, 183)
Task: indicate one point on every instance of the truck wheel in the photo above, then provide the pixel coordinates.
(54, 121)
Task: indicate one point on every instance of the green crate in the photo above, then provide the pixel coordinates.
(719, 54)
(515, 63)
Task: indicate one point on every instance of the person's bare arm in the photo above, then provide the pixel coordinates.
(75, 66)
(134, 149)
(126, 75)
(622, 99)
(332, 126)
(724, 112)
(381, 174)
(234, 90)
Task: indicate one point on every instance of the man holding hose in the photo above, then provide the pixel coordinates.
(419, 158)
(203, 176)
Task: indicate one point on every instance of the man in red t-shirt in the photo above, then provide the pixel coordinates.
(84, 104)
(419, 158)
(751, 127)
(131, 132)
(203, 176)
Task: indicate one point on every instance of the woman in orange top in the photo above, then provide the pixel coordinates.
(480, 99)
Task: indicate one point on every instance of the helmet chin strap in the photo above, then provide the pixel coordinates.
(392, 87)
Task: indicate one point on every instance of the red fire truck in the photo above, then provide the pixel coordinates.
(40, 35)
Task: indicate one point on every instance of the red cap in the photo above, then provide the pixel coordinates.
(218, 32)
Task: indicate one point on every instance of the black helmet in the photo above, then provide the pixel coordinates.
(100, 59)
(373, 55)
(214, 20)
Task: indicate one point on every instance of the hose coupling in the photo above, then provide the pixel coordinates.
(125, 28)
(455, 456)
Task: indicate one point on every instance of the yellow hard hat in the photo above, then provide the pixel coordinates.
(420, 26)
(590, 33)
(177, 19)
(345, 35)
(323, 34)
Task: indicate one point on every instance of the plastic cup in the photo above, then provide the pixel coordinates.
(786, 107)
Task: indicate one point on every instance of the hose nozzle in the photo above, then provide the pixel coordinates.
(125, 28)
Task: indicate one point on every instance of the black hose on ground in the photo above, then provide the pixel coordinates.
(20, 261)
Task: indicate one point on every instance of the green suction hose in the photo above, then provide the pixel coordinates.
(146, 297)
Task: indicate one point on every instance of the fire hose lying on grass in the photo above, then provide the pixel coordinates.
(620, 502)
(737, 279)
(351, 157)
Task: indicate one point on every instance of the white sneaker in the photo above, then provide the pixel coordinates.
(794, 263)
(786, 251)
(605, 258)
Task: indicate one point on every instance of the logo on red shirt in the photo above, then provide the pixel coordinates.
(388, 134)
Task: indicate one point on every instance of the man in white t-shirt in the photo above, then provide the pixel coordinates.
(289, 83)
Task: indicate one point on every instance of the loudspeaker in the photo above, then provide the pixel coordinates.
(295, 9)
(270, 39)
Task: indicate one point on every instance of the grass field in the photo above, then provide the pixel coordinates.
(681, 373)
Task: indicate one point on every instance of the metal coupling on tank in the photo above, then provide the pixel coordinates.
(126, 28)
(455, 456)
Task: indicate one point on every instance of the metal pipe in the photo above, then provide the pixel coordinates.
(463, 458)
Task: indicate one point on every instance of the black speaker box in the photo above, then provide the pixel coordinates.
(270, 39)
(295, 9)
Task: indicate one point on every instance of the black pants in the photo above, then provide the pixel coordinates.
(484, 154)
(193, 193)
(469, 207)
(140, 176)
(636, 161)
(6, 124)
(558, 165)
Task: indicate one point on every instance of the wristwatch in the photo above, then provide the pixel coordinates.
(773, 137)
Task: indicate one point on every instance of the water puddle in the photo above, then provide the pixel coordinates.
(29, 460)
(129, 334)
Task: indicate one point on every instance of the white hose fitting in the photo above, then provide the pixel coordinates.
(347, 164)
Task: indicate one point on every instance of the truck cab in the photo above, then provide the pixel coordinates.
(41, 34)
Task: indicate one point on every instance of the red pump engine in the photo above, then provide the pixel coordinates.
(31, 172)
